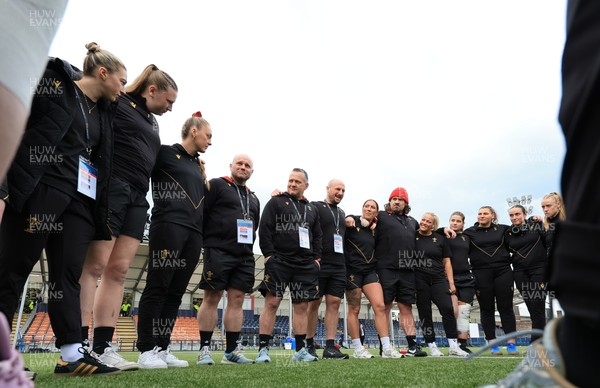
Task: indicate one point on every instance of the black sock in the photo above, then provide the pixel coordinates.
(205, 337)
(300, 341)
(575, 339)
(412, 340)
(462, 341)
(380, 345)
(329, 343)
(102, 338)
(263, 340)
(310, 342)
(85, 335)
(231, 338)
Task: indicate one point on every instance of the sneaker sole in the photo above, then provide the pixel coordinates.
(227, 362)
(154, 367)
(177, 365)
(127, 367)
(70, 374)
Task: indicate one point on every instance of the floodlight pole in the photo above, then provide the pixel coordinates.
(346, 321)
(290, 316)
(18, 328)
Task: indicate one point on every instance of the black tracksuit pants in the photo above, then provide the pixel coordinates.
(530, 284)
(172, 259)
(495, 288)
(434, 289)
(575, 260)
(63, 226)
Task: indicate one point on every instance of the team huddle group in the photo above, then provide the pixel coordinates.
(77, 187)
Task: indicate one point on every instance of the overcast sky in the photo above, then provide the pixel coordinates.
(456, 101)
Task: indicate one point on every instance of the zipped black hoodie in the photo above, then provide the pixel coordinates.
(222, 209)
(328, 227)
(395, 242)
(178, 188)
(488, 246)
(527, 245)
(359, 248)
(53, 111)
(136, 142)
(279, 225)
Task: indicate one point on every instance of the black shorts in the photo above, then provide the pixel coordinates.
(222, 271)
(465, 287)
(398, 285)
(332, 280)
(302, 279)
(127, 210)
(356, 279)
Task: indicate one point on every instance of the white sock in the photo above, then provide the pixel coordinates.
(432, 345)
(453, 343)
(356, 345)
(70, 352)
(385, 343)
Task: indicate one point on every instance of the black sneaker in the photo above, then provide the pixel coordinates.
(333, 352)
(88, 365)
(464, 348)
(415, 351)
(312, 351)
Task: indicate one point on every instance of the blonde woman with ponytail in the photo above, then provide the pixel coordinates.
(136, 145)
(178, 188)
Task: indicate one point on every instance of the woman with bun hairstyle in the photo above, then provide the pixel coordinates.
(361, 269)
(490, 260)
(56, 194)
(435, 284)
(178, 187)
(526, 242)
(136, 146)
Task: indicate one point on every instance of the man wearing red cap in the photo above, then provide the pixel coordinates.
(395, 251)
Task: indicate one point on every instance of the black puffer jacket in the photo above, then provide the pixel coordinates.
(52, 112)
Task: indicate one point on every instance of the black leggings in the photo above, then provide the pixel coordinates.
(64, 227)
(172, 259)
(436, 290)
(529, 283)
(495, 285)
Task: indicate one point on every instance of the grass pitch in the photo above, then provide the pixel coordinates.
(282, 372)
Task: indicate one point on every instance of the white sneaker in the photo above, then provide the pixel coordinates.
(110, 357)
(151, 360)
(171, 360)
(457, 352)
(434, 351)
(204, 357)
(362, 353)
(391, 353)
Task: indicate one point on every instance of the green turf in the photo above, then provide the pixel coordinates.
(281, 372)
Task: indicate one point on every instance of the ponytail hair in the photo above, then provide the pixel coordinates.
(96, 57)
(561, 208)
(151, 75)
(195, 121)
(494, 214)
